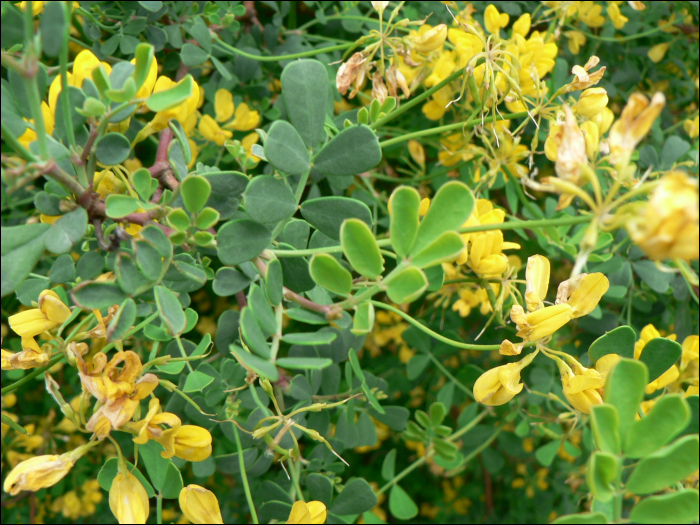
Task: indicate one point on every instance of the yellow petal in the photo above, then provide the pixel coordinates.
(318, 512)
(30, 323)
(128, 499)
(588, 293)
(51, 305)
(300, 513)
(537, 278)
(200, 505)
(223, 105)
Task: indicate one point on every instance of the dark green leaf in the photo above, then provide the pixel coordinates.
(97, 295)
(21, 248)
(659, 355)
(304, 88)
(354, 150)
(618, 341)
(241, 240)
(170, 310)
(112, 149)
(664, 467)
(285, 149)
(327, 214)
(269, 200)
(356, 497)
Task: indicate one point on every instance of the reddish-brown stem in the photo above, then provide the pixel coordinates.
(88, 145)
(162, 172)
(241, 300)
(162, 153)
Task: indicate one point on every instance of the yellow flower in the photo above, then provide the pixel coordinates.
(147, 87)
(633, 125)
(584, 79)
(581, 388)
(691, 126)
(604, 120)
(247, 143)
(223, 105)
(666, 226)
(210, 130)
(571, 151)
(244, 119)
(119, 391)
(690, 351)
(589, 13)
(31, 356)
(41, 471)
(522, 25)
(106, 183)
(592, 137)
(591, 102)
(493, 20)
(200, 505)
(575, 39)
(51, 312)
(499, 385)
(429, 38)
(37, 7)
(83, 65)
(311, 512)
(128, 499)
(617, 18)
(182, 112)
(657, 53)
(576, 297)
(29, 135)
(415, 149)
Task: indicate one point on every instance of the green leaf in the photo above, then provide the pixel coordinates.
(692, 426)
(144, 58)
(602, 472)
(394, 417)
(356, 497)
(309, 338)
(170, 310)
(327, 214)
(156, 465)
(226, 191)
(143, 183)
(355, 363)
(21, 247)
(241, 240)
(195, 192)
(320, 488)
(676, 507)
(624, 390)
(119, 206)
(363, 320)
(90, 295)
(352, 151)
(122, 321)
(604, 424)
(207, 218)
(196, 381)
(52, 23)
(360, 248)
(446, 248)
(389, 465)
(109, 471)
(305, 88)
(62, 270)
(656, 279)
(674, 148)
(664, 467)
(181, 138)
(326, 271)
(416, 365)
(585, 518)
(253, 334)
(407, 286)
(304, 363)
(546, 453)
(157, 238)
(450, 208)
(192, 55)
(659, 355)
(172, 97)
(618, 341)
(257, 364)
(7, 420)
(273, 282)
(285, 149)
(229, 282)
(405, 202)
(401, 505)
(669, 416)
(112, 149)
(67, 231)
(269, 200)
(437, 413)
(153, 7)
(262, 309)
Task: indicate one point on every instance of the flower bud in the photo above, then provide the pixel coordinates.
(128, 499)
(501, 384)
(200, 505)
(430, 40)
(591, 102)
(192, 443)
(311, 512)
(592, 137)
(42, 471)
(581, 388)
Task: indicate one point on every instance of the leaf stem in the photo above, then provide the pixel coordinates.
(244, 477)
(234, 51)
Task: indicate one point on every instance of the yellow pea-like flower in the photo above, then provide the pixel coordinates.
(571, 153)
(200, 505)
(499, 385)
(604, 120)
(618, 19)
(690, 351)
(42, 471)
(635, 122)
(311, 512)
(692, 127)
(244, 119)
(666, 226)
(210, 130)
(522, 25)
(493, 20)
(415, 149)
(591, 102)
(430, 40)
(592, 137)
(581, 388)
(51, 312)
(657, 53)
(665, 379)
(585, 293)
(128, 499)
(192, 443)
(575, 39)
(223, 105)
(537, 279)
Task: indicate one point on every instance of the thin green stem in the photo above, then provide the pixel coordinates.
(295, 480)
(478, 450)
(621, 38)
(416, 100)
(131, 332)
(234, 51)
(449, 376)
(450, 127)
(65, 90)
(244, 477)
(26, 379)
(182, 351)
(159, 507)
(422, 460)
(451, 342)
(12, 141)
